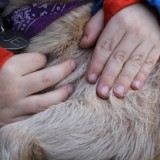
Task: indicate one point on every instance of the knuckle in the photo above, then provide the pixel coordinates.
(41, 106)
(38, 59)
(123, 19)
(137, 60)
(120, 56)
(47, 78)
(127, 77)
(143, 74)
(150, 61)
(106, 46)
(109, 78)
(125, 22)
(8, 68)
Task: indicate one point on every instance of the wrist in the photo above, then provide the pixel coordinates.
(111, 7)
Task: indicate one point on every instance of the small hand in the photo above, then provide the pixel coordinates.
(21, 78)
(126, 51)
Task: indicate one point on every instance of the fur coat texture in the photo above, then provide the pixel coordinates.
(84, 127)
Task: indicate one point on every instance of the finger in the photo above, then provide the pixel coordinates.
(107, 42)
(38, 103)
(146, 68)
(131, 68)
(115, 64)
(43, 79)
(23, 64)
(11, 115)
(92, 30)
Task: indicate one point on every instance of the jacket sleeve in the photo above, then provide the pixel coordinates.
(98, 5)
(111, 7)
(155, 3)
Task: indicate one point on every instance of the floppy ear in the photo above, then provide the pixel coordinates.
(13, 4)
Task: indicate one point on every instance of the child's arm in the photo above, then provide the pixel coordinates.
(20, 80)
(126, 51)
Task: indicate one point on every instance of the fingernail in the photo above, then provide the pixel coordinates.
(136, 83)
(92, 78)
(73, 64)
(70, 89)
(119, 89)
(104, 90)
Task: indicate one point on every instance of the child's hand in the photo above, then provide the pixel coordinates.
(19, 80)
(126, 51)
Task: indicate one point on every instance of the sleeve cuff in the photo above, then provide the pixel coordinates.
(111, 7)
(4, 56)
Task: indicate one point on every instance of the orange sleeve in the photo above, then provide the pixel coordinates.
(111, 7)
(4, 56)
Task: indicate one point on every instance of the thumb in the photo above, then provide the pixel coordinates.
(92, 30)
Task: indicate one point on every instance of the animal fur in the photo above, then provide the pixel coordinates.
(84, 127)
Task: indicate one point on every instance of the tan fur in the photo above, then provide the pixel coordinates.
(85, 127)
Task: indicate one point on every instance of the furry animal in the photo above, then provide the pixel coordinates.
(84, 127)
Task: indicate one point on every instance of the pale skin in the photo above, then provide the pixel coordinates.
(127, 49)
(21, 77)
(115, 65)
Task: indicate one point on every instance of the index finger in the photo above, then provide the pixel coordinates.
(40, 80)
(25, 63)
(106, 44)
